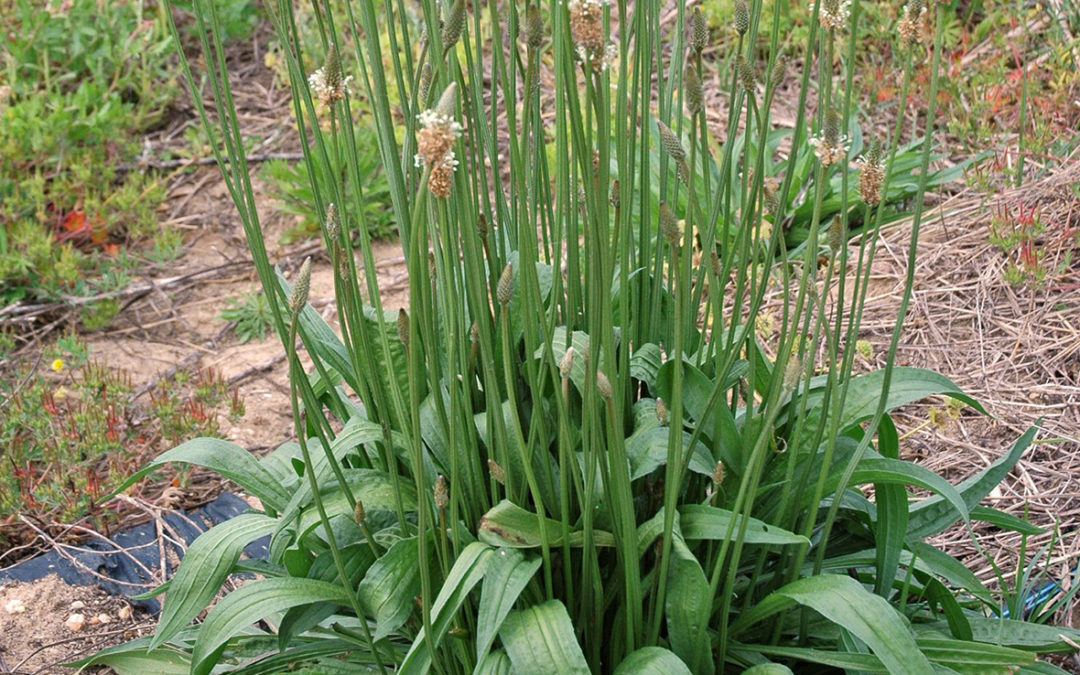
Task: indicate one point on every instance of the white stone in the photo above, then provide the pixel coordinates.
(15, 606)
(75, 623)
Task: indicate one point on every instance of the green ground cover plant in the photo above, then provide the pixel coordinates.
(79, 82)
(575, 451)
(70, 433)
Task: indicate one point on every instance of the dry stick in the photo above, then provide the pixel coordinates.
(201, 161)
(61, 550)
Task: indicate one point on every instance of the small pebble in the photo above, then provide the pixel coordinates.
(15, 606)
(75, 623)
(104, 618)
(125, 613)
(78, 604)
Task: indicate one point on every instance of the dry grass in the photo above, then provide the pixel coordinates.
(1015, 348)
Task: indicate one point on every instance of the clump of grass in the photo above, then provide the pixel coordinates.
(573, 452)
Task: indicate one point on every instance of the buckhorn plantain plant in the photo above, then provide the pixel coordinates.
(574, 452)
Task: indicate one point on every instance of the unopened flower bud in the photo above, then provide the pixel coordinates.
(505, 290)
(718, 473)
(615, 193)
(670, 142)
(299, 296)
(698, 30)
(779, 71)
(333, 223)
(403, 327)
(836, 234)
(454, 26)
(425, 84)
(447, 105)
(603, 385)
(669, 225)
(534, 27)
(742, 17)
(793, 372)
(692, 90)
(497, 472)
(746, 73)
(441, 493)
(566, 363)
(358, 514)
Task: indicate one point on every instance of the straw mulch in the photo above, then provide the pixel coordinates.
(1015, 348)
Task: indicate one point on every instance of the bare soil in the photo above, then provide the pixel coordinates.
(39, 627)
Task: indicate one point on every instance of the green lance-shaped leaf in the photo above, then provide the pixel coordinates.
(540, 639)
(934, 515)
(135, 658)
(652, 661)
(876, 469)
(389, 586)
(767, 669)
(845, 602)
(250, 603)
(687, 608)
(208, 562)
(507, 524)
(469, 568)
(699, 521)
(227, 459)
(508, 573)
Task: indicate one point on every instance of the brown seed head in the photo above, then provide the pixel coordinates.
(441, 180)
(587, 26)
(871, 175)
(359, 515)
(718, 473)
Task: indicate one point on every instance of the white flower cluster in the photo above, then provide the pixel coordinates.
(828, 152)
(435, 139)
(326, 92)
(834, 15)
(587, 5)
(432, 119)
